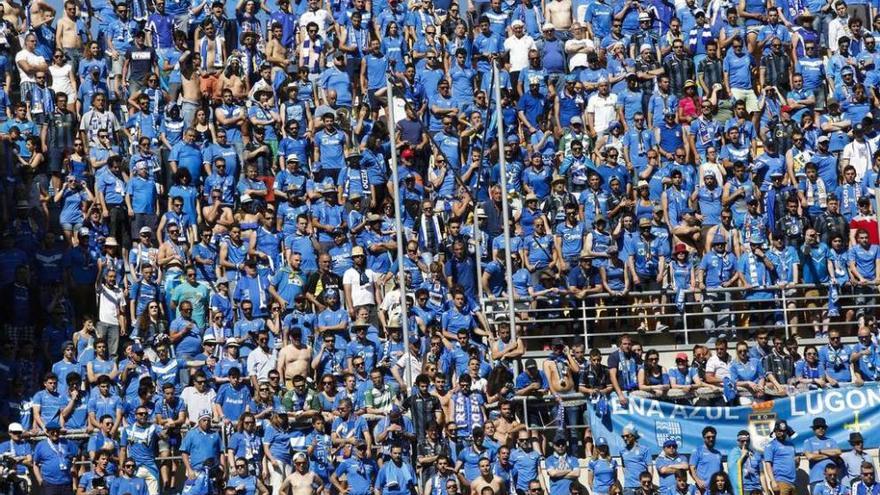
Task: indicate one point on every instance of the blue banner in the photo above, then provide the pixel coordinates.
(847, 410)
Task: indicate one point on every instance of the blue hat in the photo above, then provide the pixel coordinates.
(53, 425)
(601, 442)
(137, 348)
(511, 139)
(846, 69)
(395, 409)
(670, 442)
(571, 78)
(719, 239)
(757, 239)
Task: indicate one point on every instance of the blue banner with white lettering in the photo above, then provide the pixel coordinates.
(847, 410)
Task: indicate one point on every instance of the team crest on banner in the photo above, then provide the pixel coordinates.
(668, 430)
(761, 423)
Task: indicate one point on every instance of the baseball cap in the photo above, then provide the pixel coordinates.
(681, 356)
(531, 364)
(17, 428)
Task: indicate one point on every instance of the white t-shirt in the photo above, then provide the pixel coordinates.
(859, 156)
(110, 302)
(603, 109)
(361, 294)
(260, 363)
(197, 402)
(578, 59)
(32, 59)
(319, 17)
(519, 51)
(719, 367)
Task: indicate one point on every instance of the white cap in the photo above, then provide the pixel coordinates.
(645, 46)
(517, 23)
(644, 16)
(15, 428)
(547, 25)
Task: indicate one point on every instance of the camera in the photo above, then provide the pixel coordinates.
(10, 482)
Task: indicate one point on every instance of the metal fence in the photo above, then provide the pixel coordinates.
(669, 317)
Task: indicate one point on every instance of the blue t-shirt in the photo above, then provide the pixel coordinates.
(781, 455)
(201, 446)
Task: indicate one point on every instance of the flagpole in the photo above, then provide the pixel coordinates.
(505, 208)
(398, 227)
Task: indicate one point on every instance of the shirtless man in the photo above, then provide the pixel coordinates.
(507, 426)
(441, 393)
(232, 79)
(504, 348)
(213, 49)
(294, 358)
(276, 54)
(68, 36)
(301, 481)
(217, 216)
(190, 85)
(557, 370)
(11, 13)
(486, 479)
(558, 13)
(172, 251)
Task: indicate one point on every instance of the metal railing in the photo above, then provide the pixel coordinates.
(795, 310)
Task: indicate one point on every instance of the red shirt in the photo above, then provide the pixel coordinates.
(867, 223)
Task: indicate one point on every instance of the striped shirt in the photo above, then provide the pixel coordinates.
(712, 70)
(679, 70)
(381, 399)
(777, 67)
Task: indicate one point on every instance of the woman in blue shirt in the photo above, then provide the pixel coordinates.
(602, 469)
(652, 378)
(72, 195)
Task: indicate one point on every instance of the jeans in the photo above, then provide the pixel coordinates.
(716, 311)
(110, 333)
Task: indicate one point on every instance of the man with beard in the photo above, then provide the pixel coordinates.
(780, 460)
(706, 459)
(425, 408)
(526, 460)
(467, 410)
(444, 478)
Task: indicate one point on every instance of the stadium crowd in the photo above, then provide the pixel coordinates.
(199, 256)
